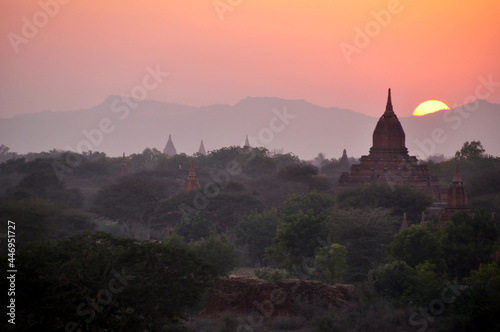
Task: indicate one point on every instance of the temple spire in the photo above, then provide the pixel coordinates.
(388, 107)
(344, 161)
(191, 181)
(456, 176)
(344, 154)
(169, 149)
(124, 167)
(247, 143)
(202, 150)
(456, 198)
(405, 223)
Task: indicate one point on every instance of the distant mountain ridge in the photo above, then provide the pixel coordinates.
(119, 125)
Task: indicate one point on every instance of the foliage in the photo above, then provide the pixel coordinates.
(256, 232)
(467, 242)
(5, 155)
(480, 299)
(487, 182)
(46, 185)
(252, 162)
(283, 160)
(298, 172)
(317, 202)
(164, 162)
(11, 165)
(38, 218)
(221, 157)
(259, 164)
(297, 239)
(405, 285)
(217, 250)
(332, 262)
(130, 202)
(273, 191)
(98, 282)
(362, 232)
(333, 168)
(415, 245)
(194, 227)
(147, 160)
(328, 323)
(272, 275)
(472, 150)
(224, 207)
(31, 215)
(304, 173)
(401, 199)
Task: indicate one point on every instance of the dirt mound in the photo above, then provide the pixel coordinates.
(281, 298)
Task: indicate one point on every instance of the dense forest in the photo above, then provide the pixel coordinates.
(99, 250)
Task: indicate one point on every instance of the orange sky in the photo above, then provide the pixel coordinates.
(291, 49)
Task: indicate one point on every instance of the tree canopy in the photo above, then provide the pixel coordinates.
(96, 281)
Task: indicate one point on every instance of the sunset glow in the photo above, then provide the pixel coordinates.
(74, 54)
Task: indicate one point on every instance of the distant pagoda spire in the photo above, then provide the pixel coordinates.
(456, 176)
(201, 150)
(344, 161)
(191, 181)
(169, 149)
(247, 143)
(405, 223)
(124, 167)
(457, 200)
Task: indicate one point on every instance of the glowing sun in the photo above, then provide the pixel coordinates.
(430, 106)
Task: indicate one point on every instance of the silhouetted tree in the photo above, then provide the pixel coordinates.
(256, 231)
(296, 241)
(472, 150)
(468, 242)
(98, 282)
(131, 202)
(416, 245)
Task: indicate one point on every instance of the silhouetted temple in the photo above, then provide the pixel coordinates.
(124, 167)
(388, 160)
(456, 197)
(169, 149)
(191, 181)
(344, 161)
(201, 150)
(247, 143)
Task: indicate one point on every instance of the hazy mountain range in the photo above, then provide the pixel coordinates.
(117, 125)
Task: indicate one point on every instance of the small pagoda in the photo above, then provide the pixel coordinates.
(124, 167)
(169, 149)
(456, 198)
(202, 150)
(191, 181)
